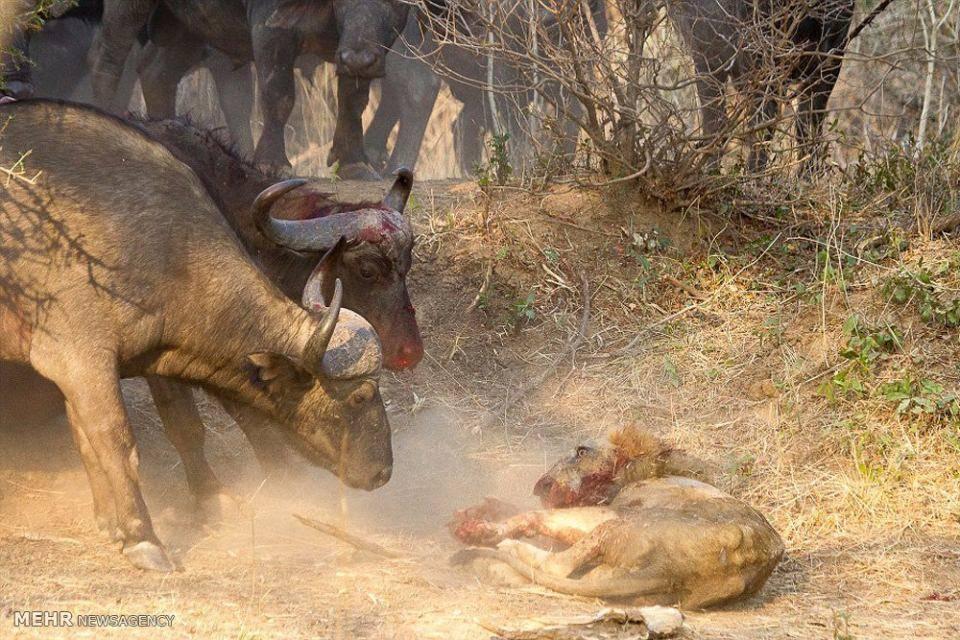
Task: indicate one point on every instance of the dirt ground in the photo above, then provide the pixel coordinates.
(695, 328)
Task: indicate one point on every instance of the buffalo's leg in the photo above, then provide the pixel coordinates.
(184, 426)
(97, 414)
(270, 450)
(469, 129)
(762, 120)
(235, 91)
(104, 507)
(161, 70)
(389, 112)
(812, 111)
(413, 126)
(713, 118)
(274, 52)
(122, 21)
(410, 91)
(352, 96)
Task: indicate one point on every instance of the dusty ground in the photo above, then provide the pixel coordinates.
(697, 329)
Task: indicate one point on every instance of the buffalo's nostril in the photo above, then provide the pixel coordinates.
(411, 354)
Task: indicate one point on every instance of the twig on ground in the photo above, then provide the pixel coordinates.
(483, 288)
(683, 286)
(349, 538)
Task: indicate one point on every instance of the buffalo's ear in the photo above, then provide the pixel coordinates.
(301, 15)
(276, 372)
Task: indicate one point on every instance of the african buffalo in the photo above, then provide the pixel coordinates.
(372, 263)
(740, 41)
(354, 34)
(116, 262)
(410, 86)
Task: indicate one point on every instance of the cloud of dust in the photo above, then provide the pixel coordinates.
(438, 468)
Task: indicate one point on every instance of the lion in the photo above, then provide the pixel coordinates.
(639, 521)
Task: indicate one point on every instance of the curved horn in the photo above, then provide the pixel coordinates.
(317, 345)
(269, 227)
(312, 299)
(400, 191)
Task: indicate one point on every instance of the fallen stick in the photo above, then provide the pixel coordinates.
(349, 538)
(683, 286)
(949, 225)
(483, 288)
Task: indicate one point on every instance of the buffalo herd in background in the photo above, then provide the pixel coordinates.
(115, 42)
(151, 248)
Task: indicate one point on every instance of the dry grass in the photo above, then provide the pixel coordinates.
(726, 365)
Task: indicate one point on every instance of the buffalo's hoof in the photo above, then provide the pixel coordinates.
(18, 90)
(149, 557)
(219, 506)
(358, 171)
(272, 164)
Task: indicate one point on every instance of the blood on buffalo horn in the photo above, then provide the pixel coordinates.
(317, 345)
(319, 234)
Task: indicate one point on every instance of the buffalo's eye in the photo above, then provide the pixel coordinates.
(362, 395)
(583, 450)
(368, 271)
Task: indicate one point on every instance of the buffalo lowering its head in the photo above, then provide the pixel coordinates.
(327, 394)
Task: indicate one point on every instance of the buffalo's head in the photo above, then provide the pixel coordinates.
(368, 247)
(365, 29)
(325, 391)
(368, 28)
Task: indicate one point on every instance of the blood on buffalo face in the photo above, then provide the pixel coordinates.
(368, 28)
(375, 287)
(368, 247)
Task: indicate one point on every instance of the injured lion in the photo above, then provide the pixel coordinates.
(639, 522)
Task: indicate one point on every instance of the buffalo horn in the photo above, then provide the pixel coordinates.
(400, 191)
(273, 229)
(317, 345)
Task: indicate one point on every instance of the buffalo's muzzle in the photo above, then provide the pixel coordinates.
(368, 482)
(363, 63)
(407, 356)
